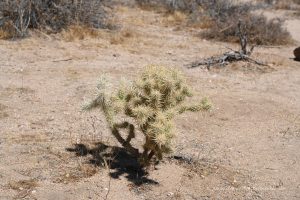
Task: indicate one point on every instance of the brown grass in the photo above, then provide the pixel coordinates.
(120, 37)
(204, 23)
(175, 18)
(4, 34)
(3, 114)
(77, 32)
(77, 174)
(7, 31)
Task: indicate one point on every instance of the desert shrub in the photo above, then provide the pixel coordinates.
(149, 104)
(279, 1)
(220, 18)
(51, 15)
(170, 5)
(279, 4)
(259, 30)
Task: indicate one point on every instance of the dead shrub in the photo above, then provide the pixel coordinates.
(279, 4)
(260, 31)
(225, 15)
(50, 15)
(220, 18)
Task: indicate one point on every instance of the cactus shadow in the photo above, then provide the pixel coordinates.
(117, 159)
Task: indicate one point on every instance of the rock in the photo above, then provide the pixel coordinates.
(297, 54)
(170, 194)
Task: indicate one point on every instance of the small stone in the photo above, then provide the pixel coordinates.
(297, 54)
(170, 194)
(33, 191)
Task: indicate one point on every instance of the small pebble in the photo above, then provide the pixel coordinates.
(170, 194)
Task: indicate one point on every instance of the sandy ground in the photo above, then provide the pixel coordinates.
(247, 147)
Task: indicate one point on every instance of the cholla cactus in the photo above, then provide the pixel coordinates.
(152, 101)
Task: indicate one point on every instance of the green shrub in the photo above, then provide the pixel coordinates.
(149, 104)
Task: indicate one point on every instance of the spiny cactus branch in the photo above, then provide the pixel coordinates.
(152, 101)
(125, 143)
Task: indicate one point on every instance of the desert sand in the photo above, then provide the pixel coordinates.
(246, 147)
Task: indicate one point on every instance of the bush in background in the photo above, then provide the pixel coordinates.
(17, 16)
(260, 31)
(220, 19)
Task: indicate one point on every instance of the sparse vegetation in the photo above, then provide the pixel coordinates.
(260, 31)
(24, 188)
(284, 5)
(23, 184)
(149, 104)
(79, 32)
(220, 19)
(278, 4)
(17, 16)
(244, 54)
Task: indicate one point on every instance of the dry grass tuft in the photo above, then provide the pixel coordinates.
(175, 18)
(77, 32)
(23, 185)
(7, 31)
(4, 34)
(82, 171)
(120, 37)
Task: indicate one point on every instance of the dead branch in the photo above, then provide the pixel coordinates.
(63, 60)
(232, 56)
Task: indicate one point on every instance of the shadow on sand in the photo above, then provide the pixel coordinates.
(117, 159)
